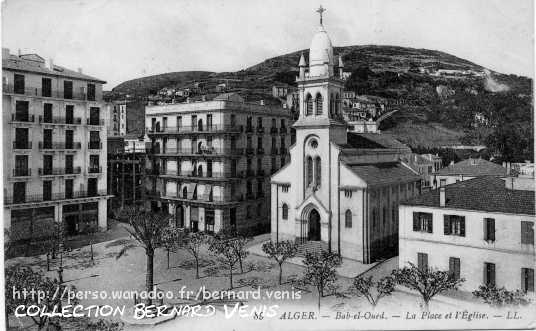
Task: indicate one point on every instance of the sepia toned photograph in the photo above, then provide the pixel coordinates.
(268, 165)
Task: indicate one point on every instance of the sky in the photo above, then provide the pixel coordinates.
(118, 40)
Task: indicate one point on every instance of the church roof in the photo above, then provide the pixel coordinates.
(372, 140)
(384, 173)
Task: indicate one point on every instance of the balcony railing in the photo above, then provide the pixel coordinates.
(196, 129)
(32, 198)
(26, 118)
(59, 145)
(201, 151)
(22, 145)
(93, 121)
(60, 120)
(195, 174)
(94, 170)
(38, 92)
(22, 172)
(94, 145)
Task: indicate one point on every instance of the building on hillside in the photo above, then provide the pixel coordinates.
(211, 161)
(341, 190)
(280, 91)
(55, 137)
(466, 169)
(117, 124)
(425, 165)
(127, 157)
(478, 229)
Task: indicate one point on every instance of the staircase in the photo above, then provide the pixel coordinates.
(311, 246)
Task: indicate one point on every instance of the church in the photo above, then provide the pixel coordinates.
(340, 191)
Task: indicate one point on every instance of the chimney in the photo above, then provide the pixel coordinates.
(442, 198)
(50, 64)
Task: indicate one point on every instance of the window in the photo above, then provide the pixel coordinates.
(273, 166)
(442, 182)
(348, 193)
(209, 122)
(259, 165)
(22, 111)
(94, 116)
(348, 219)
(319, 103)
(94, 164)
(489, 229)
(21, 138)
(454, 225)
(47, 164)
(18, 82)
(454, 267)
(309, 105)
(313, 144)
(248, 211)
(19, 192)
(259, 122)
(46, 87)
(91, 92)
(318, 171)
(285, 188)
(68, 189)
(422, 222)
(489, 274)
(527, 280)
(185, 192)
(209, 220)
(92, 187)
(179, 122)
(259, 210)
(47, 113)
(69, 164)
(67, 89)
(69, 114)
(527, 232)
(284, 211)
(260, 189)
(259, 143)
(47, 190)
(309, 171)
(422, 261)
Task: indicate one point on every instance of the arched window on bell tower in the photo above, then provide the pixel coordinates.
(309, 105)
(318, 171)
(309, 171)
(319, 102)
(337, 104)
(331, 105)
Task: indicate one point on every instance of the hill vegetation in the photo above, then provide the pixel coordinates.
(473, 106)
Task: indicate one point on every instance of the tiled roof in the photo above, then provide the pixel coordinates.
(384, 173)
(481, 194)
(372, 140)
(474, 167)
(13, 62)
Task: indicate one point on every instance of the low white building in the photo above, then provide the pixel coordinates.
(466, 169)
(481, 230)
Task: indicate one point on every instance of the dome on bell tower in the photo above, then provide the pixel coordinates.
(321, 52)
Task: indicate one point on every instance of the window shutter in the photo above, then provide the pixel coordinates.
(492, 273)
(530, 284)
(446, 224)
(425, 261)
(485, 277)
(451, 266)
(491, 230)
(430, 225)
(462, 227)
(486, 227)
(416, 226)
(524, 279)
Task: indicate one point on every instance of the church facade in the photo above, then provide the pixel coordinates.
(341, 190)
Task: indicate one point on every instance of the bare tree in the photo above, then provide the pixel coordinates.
(223, 247)
(427, 281)
(320, 270)
(280, 252)
(146, 228)
(192, 242)
(373, 292)
(172, 238)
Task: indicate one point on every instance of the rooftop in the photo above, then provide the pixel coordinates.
(384, 173)
(35, 63)
(372, 140)
(481, 194)
(474, 167)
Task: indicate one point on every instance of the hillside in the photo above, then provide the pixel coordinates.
(437, 107)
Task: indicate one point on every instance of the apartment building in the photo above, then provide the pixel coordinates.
(55, 137)
(117, 125)
(481, 229)
(211, 161)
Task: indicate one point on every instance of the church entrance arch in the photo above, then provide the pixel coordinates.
(314, 225)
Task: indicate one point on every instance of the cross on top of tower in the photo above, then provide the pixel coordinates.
(320, 10)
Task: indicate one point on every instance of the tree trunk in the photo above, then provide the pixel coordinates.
(167, 258)
(231, 276)
(149, 273)
(196, 267)
(280, 274)
(240, 263)
(48, 261)
(91, 247)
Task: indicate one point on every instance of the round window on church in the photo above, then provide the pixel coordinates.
(313, 143)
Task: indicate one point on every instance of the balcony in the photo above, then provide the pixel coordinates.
(260, 151)
(215, 128)
(60, 120)
(260, 130)
(22, 172)
(39, 92)
(94, 170)
(206, 150)
(36, 198)
(94, 145)
(273, 130)
(274, 151)
(22, 144)
(23, 118)
(95, 121)
(59, 146)
(282, 130)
